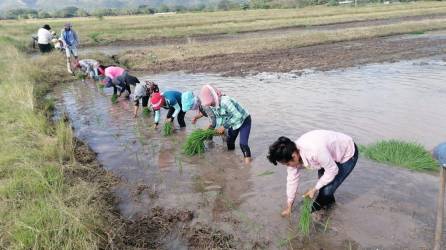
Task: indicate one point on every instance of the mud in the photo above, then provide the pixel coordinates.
(378, 207)
(319, 57)
(118, 46)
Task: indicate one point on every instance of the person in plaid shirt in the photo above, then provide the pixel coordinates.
(229, 115)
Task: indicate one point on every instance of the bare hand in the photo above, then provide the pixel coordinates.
(310, 193)
(194, 120)
(286, 212)
(220, 130)
(169, 119)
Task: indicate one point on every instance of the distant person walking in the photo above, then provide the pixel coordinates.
(44, 38)
(70, 40)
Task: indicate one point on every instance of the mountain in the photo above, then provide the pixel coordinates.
(95, 4)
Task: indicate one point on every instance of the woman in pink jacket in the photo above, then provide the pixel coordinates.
(333, 154)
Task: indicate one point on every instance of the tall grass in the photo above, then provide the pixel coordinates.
(405, 154)
(39, 207)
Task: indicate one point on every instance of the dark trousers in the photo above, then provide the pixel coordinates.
(244, 131)
(180, 117)
(326, 197)
(122, 88)
(144, 100)
(45, 48)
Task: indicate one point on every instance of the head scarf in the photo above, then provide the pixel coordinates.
(210, 96)
(157, 101)
(189, 101)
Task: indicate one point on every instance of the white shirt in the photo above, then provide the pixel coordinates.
(44, 36)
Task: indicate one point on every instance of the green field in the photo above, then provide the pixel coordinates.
(127, 28)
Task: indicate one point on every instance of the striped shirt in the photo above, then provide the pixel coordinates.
(230, 114)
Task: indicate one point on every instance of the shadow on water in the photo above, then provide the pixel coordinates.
(378, 206)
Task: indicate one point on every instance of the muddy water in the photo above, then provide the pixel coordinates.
(378, 206)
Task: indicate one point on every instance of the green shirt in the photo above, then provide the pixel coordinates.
(230, 114)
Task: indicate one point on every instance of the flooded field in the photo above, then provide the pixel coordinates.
(378, 206)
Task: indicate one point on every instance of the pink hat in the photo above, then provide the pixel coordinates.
(157, 101)
(210, 96)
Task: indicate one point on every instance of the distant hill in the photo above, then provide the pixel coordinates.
(97, 4)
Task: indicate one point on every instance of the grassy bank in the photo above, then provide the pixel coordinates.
(40, 208)
(127, 28)
(405, 154)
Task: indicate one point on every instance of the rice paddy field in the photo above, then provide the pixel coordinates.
(374, 72)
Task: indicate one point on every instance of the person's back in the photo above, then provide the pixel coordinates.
(172, 97)
(113, 71)
(44, 39)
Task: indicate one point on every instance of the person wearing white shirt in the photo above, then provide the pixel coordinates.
(44, 38)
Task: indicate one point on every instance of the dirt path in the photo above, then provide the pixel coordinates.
(319, 57)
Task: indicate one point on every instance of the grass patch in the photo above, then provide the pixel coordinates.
(168, 129)
(404, 154)
(195, 141)
(305, 219)
(40, 207)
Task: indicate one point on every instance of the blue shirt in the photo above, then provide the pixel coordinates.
(69, 37)
(172, 100)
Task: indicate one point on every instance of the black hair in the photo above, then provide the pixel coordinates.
(281, 150)
(47, 27)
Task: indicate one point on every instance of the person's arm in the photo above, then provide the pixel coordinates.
(211, 117)
(292, 182)
(177, 110)
(136, 108)
(330, 168)
(196, 117)
(76, 38)
(62, 38)
(157, 117)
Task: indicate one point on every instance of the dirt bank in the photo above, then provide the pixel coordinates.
(320, 57)
(163, 41)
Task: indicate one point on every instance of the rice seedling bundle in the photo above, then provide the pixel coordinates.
(195, 141)
(168, 129)
(100, 86)
(305, 216)
(146, 111)
(114, 98)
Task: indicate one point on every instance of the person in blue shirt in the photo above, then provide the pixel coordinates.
(70, 41)
(170, 100)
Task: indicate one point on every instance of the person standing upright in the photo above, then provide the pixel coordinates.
(70, 40)
(44, 39)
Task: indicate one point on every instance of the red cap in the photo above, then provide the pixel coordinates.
(157, 101)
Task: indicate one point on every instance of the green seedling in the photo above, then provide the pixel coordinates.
(168, 129)
(114, 99)
(267, 172)
(146, 112)
(195, 141)
(305, 216)
(100, 86)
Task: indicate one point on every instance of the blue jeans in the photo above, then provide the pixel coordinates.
(326, 197)
(244, 131)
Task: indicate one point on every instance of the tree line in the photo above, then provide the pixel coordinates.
(26, 13)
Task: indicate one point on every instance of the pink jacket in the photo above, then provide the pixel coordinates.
(113, 72)
(320, 149)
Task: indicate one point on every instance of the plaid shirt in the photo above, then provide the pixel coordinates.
(230, 114)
